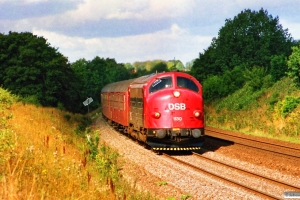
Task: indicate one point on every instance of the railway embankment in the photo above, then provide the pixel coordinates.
(271, 112)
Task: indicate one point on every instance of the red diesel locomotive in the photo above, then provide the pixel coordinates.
(164, 110)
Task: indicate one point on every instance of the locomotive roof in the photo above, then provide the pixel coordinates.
(145, 79)
(122, 86)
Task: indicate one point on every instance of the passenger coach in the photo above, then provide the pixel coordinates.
(164, 110)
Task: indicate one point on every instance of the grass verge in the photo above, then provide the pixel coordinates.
(46, 153)
(272, 112)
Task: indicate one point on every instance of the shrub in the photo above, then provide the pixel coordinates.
(6, 98)
(288, 105)
(106, 160)
(255, 77)
(31, 100)
(294, 65)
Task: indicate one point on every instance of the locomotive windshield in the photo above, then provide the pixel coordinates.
(187, 83)
(161, 83)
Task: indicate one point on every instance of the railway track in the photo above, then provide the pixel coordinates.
(291, 151)
(231, 180)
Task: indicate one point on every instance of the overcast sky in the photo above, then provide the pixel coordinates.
(135, 30)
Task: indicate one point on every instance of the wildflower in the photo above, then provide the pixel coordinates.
(88, 137)
(30, 149)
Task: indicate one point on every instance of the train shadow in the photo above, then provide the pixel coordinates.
(211, 144)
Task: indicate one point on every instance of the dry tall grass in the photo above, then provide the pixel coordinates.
(46, 153)
(44, 157)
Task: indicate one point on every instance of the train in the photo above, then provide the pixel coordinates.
(164, 111)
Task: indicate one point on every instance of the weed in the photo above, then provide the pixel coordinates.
(288, 105)
(6, 99)
(60, 106)
(273, 100)
(83, 123)
(106, 161)
(31, 100)
(186, 196)
(93, 142)
(7, 145)
(161, 183)
(67, 116)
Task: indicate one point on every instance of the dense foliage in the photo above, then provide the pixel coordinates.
(294, 64)
(37, 72)
(30, 67)
(93, 75)
(144, 68)
(251, 39)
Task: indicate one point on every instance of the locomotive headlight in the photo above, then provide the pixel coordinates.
(197, 113)
(176, 93)
(156, 114)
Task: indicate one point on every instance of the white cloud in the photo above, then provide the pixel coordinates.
(137, 9)
(293, 28)
(167, 44)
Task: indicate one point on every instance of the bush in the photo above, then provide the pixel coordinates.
(31, 100)
(273, 100)
(219, 86)
(240, 100)
(288, 105)
(294, 65)
(6, 98)
(255, 77)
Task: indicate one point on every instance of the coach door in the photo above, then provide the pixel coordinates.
(136, 114)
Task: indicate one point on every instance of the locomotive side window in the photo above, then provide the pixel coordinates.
(183, 82)
(161, 83)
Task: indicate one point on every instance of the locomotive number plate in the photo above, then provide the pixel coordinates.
(177, 118)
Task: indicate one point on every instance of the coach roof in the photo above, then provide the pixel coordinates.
(120, 86)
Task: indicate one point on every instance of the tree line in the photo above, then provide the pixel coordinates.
(40, 74)
(252, 48)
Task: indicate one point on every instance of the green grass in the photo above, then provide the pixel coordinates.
(272, 112)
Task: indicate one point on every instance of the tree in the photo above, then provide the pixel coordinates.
(251, 39)
(160, 67)
(205, 65)
(31, 67)
(255, 77)
(189, 65)
(149, 65)
(278, 67)
(179, 65)
(95, 74)
(294, 64)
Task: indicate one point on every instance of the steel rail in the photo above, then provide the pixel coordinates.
(236, 183)
(266, 146)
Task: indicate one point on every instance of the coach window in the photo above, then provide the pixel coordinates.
(161, 83)
(187, 83)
